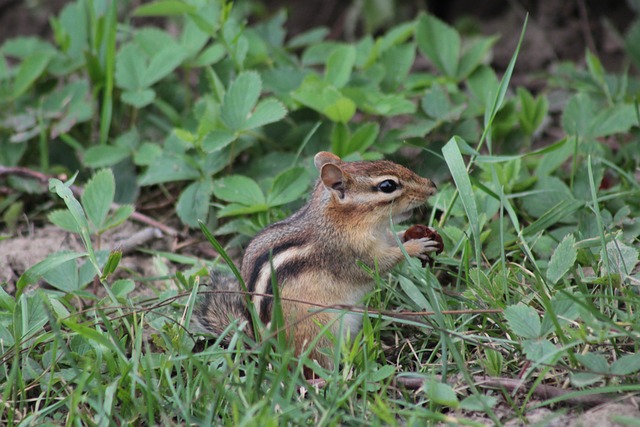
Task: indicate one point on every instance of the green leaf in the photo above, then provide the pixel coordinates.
(626, 365)
(548, 192)
(120, 215)
(583, 379)
(440, 393)
(239, 189)
(397, 61)
(631, 42)
(382, 373)
(146, 154)
(288, 186)
(168, 168)
(474, 56)
(340, 65)
(36, 271)
(94, 337)
(62, 218)
(64, 276)
(325, 99)
(105, 155)
(130, 67)
(74, 207)
(564, 310)
(395, 36)
(234, 209)
(532, 111)
(139, 98)
(218, 139)
(596, 363)
(193, 203)
(122, 287)
(616, 119)
(370, 100)
(317, 54)
(483, 85)
(595, 67)
(362, 138)
(164, 8)
(7, 302)
(240, 99)
(523, 320)
(622, 258)
(98, 196)
(164, 63)
(267, 111)
(310, 37)
(540, 350)
(30, 69)
(435, 103)
(210, 55)
(478, 403)
(563, 258)
(440, 43)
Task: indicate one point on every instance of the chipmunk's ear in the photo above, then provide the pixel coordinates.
(324, 157)
(333, 178)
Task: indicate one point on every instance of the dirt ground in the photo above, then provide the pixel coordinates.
(557, 31)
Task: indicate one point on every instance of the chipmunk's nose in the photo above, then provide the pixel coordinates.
(431, 187)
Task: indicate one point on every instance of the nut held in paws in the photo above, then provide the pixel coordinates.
(419, 231)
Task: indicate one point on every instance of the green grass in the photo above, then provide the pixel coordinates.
(538, 280)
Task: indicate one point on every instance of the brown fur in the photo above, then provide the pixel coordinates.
(316, 251)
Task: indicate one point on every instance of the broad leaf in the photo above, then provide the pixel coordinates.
(62, 218)
(98, 196)
(339, 65)
(440, 43)
(105, 155)
(288, 186)
(622, 258)
(239, 189)
(441, 393)
(164, 8)
(267, 111)
(563, 258)
(218, 139)
(29, 71)
(169, 168)
(325, 99)
(240, 99)
(64, 277)
(118, 216)
(36, 271)
(523, 320)
(540, 350)
(193, 203)
(626, 365)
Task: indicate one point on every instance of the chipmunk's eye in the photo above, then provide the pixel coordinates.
(388, 186)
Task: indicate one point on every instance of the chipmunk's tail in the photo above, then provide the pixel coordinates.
(218, 309)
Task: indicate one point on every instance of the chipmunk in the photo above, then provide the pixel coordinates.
(316, 252)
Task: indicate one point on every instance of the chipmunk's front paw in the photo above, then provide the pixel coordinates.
(421, 247)
(421, 240)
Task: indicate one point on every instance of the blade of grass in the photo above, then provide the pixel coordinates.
(109, 44)
(459, 172)
(596, 211)
(248, 301)
(491, 113)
